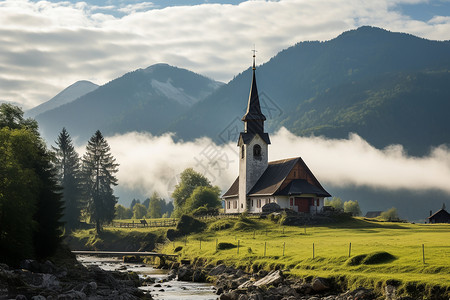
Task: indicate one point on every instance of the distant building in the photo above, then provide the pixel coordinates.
(441, 216)
(288, 182)
(373, 214)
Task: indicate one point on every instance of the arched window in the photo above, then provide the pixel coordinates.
(257, 150)
(242, 152)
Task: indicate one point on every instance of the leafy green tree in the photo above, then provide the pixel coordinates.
(390, 215)
(154, 206)
(98, 169)
(190, 179)
(68, 167)
(139, 211)
(335, 202)
(123, 213)
(352, 207)
(30, 200)
(203, 196)
(11, 116)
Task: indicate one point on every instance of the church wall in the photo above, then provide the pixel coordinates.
(231, 205)
(250, 169)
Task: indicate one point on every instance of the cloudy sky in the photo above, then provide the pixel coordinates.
(48, 45)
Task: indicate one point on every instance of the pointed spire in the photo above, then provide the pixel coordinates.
(443, 206)
(253, 107)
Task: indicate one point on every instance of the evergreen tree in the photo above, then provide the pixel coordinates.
(146, 202)
(134, 202)
(30, 201)
(68, 167)
(98, 169)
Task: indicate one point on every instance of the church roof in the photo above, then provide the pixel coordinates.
(283, 177)
(253, 107)
(247, 137)
(301, 186)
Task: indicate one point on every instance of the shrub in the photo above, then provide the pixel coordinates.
(245, 224)
(356, 260)
(225, 246)
(378, 258)
(390, 215)
(188, 224)
(220, 225)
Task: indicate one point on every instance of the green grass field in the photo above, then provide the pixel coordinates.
(262, 242)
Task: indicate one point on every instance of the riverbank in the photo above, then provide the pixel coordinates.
(65, 278)
(351, 254)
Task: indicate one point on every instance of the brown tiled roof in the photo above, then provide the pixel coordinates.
(272, 178)
(233, 191)
(301, 186)
(274, 181)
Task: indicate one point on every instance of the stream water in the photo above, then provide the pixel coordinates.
(161, 289)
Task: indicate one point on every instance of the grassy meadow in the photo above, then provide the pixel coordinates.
(380, 251)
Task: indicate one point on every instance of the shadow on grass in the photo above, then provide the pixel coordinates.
(364, 224)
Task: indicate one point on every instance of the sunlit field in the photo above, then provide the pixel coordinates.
(326, 251)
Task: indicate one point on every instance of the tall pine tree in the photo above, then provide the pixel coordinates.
(30, 200)
(68, 167)
(98, 169)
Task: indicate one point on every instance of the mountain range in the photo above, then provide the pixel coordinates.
(69, 94)
(388, 87)
(142, 100)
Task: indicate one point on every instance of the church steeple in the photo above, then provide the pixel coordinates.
(254, 118)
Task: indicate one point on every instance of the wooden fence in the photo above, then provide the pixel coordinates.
(146, 223)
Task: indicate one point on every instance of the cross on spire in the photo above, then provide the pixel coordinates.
(254, 55)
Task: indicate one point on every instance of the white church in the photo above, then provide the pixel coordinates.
(287, 182)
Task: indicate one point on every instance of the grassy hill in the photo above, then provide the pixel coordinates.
(380, 251)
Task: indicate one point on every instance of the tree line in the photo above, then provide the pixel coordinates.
(153, 207)
(43, 191)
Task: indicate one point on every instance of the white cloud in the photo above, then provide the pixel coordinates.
(47, 46)
(150, 163)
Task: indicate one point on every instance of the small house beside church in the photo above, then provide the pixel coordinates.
(287, 182)
(441, 216)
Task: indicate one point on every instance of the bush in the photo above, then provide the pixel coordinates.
(188, 224)
(225, 246)
(245, 224)
(352, 207)
(220, 225)
(390, 215)
(356, 260)
(378, 258)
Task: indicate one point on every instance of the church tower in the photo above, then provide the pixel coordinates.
(253, 146)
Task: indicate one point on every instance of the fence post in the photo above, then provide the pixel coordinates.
(313, 250)
(238, 247)
(216, 244)
(349, 249)
(423, 253)
(265, 244)
(284, 245)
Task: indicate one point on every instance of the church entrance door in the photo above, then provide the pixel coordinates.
(302, 204)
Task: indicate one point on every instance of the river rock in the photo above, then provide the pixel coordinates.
(272, 278)
(199, 276)
(185, 273)
(218, 270)
(38, 297)
(320, 284)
